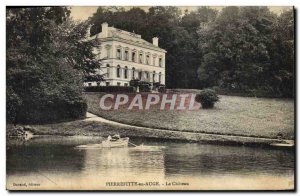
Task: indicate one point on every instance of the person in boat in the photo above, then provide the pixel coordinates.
(115, 137)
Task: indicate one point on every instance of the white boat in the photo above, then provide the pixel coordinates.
(285, 144)
(112, 143)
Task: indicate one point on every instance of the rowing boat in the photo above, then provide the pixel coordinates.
(121, 142)
(285, 144)
(110, 142)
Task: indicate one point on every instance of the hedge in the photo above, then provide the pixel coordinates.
(109, 89)
(144, 88)
(40, 113)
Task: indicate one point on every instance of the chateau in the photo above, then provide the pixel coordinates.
(126, 56)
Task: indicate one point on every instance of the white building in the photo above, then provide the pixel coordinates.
(126, 56)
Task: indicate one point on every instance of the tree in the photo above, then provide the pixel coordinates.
(282, 53)
(240, 52)
(131, 20)
(245, 49)
(44, 68)
(72, 42)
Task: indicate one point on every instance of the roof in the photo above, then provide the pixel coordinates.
(127, 37)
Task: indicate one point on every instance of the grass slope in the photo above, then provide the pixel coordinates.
(244, 116)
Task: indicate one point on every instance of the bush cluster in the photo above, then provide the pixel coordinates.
(162, 89)
(144, 88)
(109, 89)
(207, 98)
(51, 112)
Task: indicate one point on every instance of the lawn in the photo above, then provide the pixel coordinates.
(243, 116)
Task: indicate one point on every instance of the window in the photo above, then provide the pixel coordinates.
(98, 83)
(108, 70)
(107, 52)
(126, 84)
(118, 71)
(90, 84)
(126, 56)
(154, 61)
(153, 76)
(147, 59)
(133, 73)
(147, 75)
(118, 53)
(133, 57)
(140, 75)
(141, 58)
(160, 62)
(107, 83)
(126, 72)
(159, 77)
(118, 83)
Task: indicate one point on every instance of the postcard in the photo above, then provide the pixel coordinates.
(150, 98)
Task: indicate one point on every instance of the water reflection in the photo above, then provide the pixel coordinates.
(122, 162)
(197, 160)
(58, 155)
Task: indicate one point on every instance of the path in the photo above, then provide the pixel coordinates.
(190, 135)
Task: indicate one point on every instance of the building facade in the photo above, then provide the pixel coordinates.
(126, 56)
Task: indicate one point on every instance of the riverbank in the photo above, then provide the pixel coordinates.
(97, 126)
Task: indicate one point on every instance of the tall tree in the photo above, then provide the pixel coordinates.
(240, 52)
(241, 48)
(44, 68)
(282, 53)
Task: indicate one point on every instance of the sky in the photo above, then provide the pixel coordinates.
(83, 12)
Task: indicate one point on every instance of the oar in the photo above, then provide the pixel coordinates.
(132, 144)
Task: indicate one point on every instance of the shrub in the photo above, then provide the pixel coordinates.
(156, 84)
(109, 89)
(13, 102)
(62, 110)
(162, 89)
(49, 96)
(145, 88)
(207, 98)
(77, 109)
(135, 83)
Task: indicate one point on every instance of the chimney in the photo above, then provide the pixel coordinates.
(104, 29)
(155, 41)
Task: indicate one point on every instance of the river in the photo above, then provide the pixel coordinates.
(53, 162)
